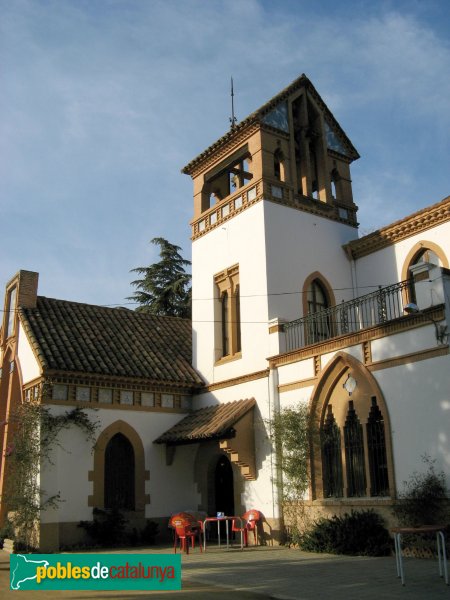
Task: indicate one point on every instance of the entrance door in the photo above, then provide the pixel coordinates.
(224, 489)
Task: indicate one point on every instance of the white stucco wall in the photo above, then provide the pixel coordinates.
(171, 488)
(418, 400)
(239, 241)
(29, 366)
(297, 245)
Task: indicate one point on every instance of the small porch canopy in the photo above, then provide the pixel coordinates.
(230, 423)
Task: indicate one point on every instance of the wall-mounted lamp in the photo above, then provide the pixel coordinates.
(349, 384)
(441, 330)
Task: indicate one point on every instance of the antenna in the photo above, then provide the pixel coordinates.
(233, 119)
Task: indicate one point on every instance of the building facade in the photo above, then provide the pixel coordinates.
(289, 307)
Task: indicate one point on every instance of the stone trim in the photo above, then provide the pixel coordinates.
(115, 381)
(405, 359)
(263, 187)
(97, 476)
(327, 388)
(115, 406)
(236, 381)
(297, 385)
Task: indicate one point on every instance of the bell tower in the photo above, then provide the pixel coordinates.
(272, 198)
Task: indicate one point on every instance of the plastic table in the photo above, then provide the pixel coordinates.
(219, 520)
(440, 544)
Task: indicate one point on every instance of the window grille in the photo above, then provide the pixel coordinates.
(331, 457)
(354, 454)
(376, 446)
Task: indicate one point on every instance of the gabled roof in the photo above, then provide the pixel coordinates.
(212, 422)
(257, 117)
(84, 338)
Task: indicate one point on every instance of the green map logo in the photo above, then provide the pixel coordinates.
(95, 572)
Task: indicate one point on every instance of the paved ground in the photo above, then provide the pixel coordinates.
(274, 573)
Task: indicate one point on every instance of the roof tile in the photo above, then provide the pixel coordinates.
(211, 422)
(70, 336)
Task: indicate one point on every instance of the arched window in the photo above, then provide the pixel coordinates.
(423, 256)
(318, 324)
(354, 454)
(376, 448)
(119, 473)
(331, 457)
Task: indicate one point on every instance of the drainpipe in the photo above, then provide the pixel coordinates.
(349, 254)
(274, 408)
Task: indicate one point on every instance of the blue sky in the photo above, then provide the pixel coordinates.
(103, 102)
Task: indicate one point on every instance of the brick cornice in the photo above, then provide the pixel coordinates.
(224, 146)
(386, 236)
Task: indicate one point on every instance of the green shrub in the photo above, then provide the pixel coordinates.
(107, 527)
(359, 533)
(149, 533)
(423, 500)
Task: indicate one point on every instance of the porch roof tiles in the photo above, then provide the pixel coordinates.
(212, 422)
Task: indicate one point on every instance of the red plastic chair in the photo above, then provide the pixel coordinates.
(250, 519)
(185, 530)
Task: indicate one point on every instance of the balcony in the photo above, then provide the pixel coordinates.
(376, 308)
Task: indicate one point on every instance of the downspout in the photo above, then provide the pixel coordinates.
(349, 253)
(276, 476)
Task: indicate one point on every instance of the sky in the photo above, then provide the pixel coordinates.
(102, 102)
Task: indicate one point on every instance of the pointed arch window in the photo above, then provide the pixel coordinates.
(331, 457)
(354, 454)
(376, 449)
(119, 474)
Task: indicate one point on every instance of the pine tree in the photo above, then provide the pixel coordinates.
(165, 286)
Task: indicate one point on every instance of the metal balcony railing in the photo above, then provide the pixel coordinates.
(366, 311)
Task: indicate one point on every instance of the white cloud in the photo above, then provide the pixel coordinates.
(103, 102)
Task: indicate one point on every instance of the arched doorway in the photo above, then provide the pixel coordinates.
(224, 486)
(119, 473)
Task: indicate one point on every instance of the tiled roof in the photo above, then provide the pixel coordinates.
(212, 422)
(84, 338)
(256, 116)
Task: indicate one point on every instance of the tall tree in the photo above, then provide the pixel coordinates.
(165, 286)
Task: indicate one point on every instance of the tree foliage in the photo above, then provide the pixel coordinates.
(291, 432)
(164, 288)
(36, 432)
